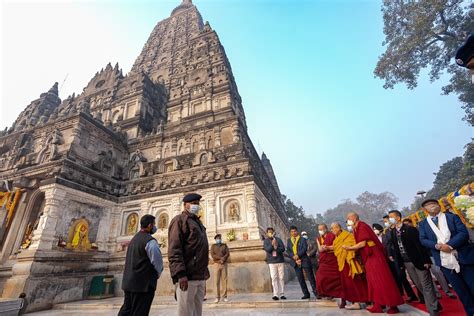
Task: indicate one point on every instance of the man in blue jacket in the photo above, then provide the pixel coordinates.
(296, 249)
(275, 249)
(447, 238)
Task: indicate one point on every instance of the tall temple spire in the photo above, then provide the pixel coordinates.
(187, 2)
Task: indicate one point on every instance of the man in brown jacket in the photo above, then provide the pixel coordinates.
(220, 254)
(188, 256)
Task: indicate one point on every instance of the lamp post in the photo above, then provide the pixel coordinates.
(421, 193)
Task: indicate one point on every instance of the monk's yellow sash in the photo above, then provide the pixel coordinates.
(346, 256)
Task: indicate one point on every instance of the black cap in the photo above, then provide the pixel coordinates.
(377, 226)
(217, 236)
(191, 197)
(428, 201)
(465, 53)
(385, 216)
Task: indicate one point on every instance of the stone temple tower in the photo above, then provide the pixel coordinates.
(128, 145)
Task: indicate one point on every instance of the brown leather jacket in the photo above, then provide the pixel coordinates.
(188, 248)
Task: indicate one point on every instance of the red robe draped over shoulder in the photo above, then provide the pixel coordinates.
(382, 287)
(328, 281)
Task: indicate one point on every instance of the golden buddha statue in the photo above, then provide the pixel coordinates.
(132, 224)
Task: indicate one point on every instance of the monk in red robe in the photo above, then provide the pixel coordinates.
(328, 281)
(351, 272)
(383, 290)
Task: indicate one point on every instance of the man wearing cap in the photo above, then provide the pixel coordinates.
(143, 267)
(220, 254)
(447, 238)
(188, 256)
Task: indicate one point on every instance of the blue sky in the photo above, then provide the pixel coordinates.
(305, 73)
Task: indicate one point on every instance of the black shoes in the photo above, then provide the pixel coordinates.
(305, 297)
(275, 298)
(283, 297)
(412, 299)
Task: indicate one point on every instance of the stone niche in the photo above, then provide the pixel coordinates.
(79, 225)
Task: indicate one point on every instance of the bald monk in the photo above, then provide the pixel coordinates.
(328, 281)
(351, 272)
(382, 289)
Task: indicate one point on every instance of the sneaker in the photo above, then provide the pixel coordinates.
(225, 300)
(216, 300)
(275, 298)
(353, 306)
(283, 297)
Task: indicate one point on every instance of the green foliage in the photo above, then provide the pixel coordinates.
(453, 174)
(426, 34)
(298, 217)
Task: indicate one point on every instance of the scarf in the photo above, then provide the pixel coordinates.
(295, 240)
(443, 234)
(346, 256)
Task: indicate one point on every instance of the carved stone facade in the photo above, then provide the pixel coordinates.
(129, 145)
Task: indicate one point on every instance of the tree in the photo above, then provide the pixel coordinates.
(453, 174)
(447, 178)
(375, 206)
(298, 217)
(371, 207)
(338, 213)
(426, 34)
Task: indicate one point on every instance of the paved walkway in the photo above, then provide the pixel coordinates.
(238, 305)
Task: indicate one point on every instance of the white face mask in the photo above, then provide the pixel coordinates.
(305, 236)
(349, 229)
(194, 208)
(386, 224)
(392, 220)
(350, 222)
(377, 232)
(321, 232)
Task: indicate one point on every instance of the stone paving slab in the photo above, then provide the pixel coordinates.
(254, 304)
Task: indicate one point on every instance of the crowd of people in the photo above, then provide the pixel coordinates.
(361, 266)
(370, 266)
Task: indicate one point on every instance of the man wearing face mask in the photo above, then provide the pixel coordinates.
(188, 256)
(143, 267)
(447, 238)
(275, 249)
(410, 254)
(220, 253)
(397, 269)
(328, 280)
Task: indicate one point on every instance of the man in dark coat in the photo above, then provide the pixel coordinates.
(408, 252)
(188, 256)
(296, 249)
(275, 249)
(447, 238)
(143, 267)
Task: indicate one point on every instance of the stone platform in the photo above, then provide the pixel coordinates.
(239, 304)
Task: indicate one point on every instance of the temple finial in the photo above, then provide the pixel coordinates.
(187, 2)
